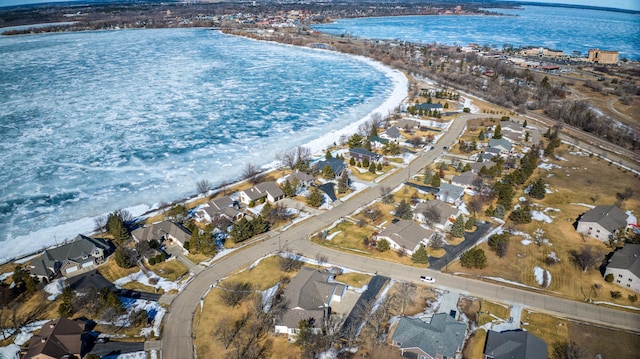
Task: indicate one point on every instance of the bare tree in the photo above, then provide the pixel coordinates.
(232, 294)
(385, 195)
(404, 295)
(431, 215)
(373, 214)
(203, 186)
(437, 241)
(289, 262)
(251, 172)
(321, 259)
(586, 257)
(475, 205)
(100, 224)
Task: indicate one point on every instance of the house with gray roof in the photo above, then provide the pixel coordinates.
(378, 142)
(442, 338)
(309, 295)
(500, 143)
(601, 222)
(359, 154)
(392, 134)
(429, 106)
(624, 267)
(447, 214)
(450, 193)
(300, 178)
(269, 191)
(219, 207)
(337, 166)
(467, 180)
(81, 253)
(406, 235)
(162, 231)
(514, 344)
(407, 124)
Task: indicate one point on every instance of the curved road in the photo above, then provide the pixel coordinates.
(177, 342)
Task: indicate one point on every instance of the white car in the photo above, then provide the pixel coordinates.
(427, 279)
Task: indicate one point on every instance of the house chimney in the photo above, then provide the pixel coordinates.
(43, 340)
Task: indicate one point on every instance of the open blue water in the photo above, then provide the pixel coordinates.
(92, 122)
(556, 28)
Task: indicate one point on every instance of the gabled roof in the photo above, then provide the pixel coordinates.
(500, 143)
(158, 230)
(364, 152)
(307, 293)
(515, 344)
(392, 132)
(406, 233)
(627, 257)
(429, 106)
(445, 210)
(300, 176)
(465, 178)
(221, 202)
(447, 190)
(511, 126)
(378, 139)
(270, 188)
(406, 123)
(444, 335)
(337, 165)
(610, 218)
(78, 250)
(56, 339)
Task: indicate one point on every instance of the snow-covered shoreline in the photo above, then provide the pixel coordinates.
(37, 241)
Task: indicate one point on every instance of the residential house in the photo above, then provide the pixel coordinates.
(477, 166)
(624, 266)
(442, 338)
(162, 231)
(405, 234)
(407, 124)
(269, 191)
(392, 134)
(447, 213)
(300, 178)
(337, 166)
(467, 180)
(425, 107)
(450, 193)
(309, 295)
(359, 154)
(490, 153)
(81, 253)
(377, 142)
(213, 210)
(501, 144)
(58, 338)
(513, 344)
(602, 222)
(512, 131)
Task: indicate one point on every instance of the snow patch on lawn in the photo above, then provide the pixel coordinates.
(54, 288)
(330, 237)
(267, 297)
(153, 309)
(11, 351)
(4, 276)
(539, 273)
(540, 216)
(548, 166)
(134, 355)
(526, 242)
(142, 278)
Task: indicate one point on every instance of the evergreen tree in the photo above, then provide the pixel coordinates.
(315, 198)
(288, 189)
(497, 134)
(457, 230)
(327, 155)
(365, 162)
(355, 141)
(374, 131)
(538, 190)
(259, 225)
(435, 181)
(352, 161)
(521, 215)
(500, 211)
(489, 212)
(499, 243)
(420, 256)
(473, 258)
(366, 144)
(526, 136)
(327, 172)
(372, 168)
(379, 167)
(524, 124)
(427, 175)
(117, 228)
(470, 223)
(481, 135)
(467, 167)
(382, 245)
(241, 230)
(343, 182)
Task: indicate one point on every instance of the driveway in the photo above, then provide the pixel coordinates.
(454, 252)
(93, 279)
(115, 348)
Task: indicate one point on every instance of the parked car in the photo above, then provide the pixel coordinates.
(427, 279)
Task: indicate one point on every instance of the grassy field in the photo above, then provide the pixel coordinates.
(581, 179)
(111, 271)
(474, 347)
(544, 326)
(171, 270)
(354, 279)
(490, 310)
(608, 342)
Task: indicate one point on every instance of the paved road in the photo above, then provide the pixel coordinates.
(177, 340)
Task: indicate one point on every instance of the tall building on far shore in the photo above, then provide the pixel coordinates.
(602, 57)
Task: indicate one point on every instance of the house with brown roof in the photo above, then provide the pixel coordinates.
(624, 267)
(467, 180)
(601, 222)
(213, 210)
(447, 214)
(300, 178)
(58, 338)
(309, 296)
(406, 235)
(359, 154)
(162, 231)
(81, 253)
(269, 191)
